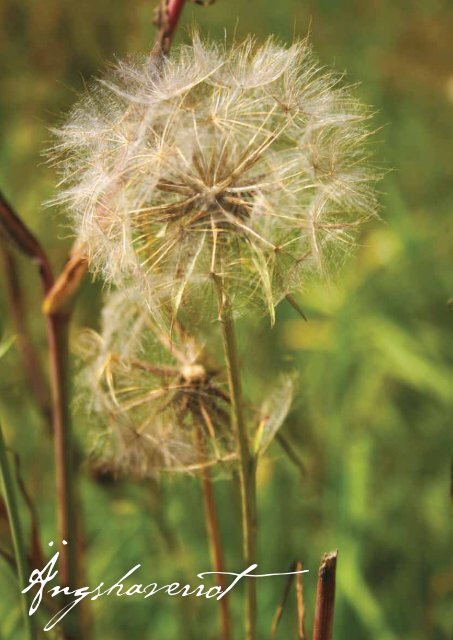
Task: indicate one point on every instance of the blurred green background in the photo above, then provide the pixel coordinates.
(371, 418)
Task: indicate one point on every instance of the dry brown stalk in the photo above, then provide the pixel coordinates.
(16, 306)
(215, 542)
(325, 597)
(57, 329)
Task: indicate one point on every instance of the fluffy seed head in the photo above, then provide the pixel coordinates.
(160, 404)
(248, 163)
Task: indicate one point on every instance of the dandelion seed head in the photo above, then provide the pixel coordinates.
(247, 162)
(155, 404)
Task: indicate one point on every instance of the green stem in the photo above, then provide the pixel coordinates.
(246, 458)
(16, 534)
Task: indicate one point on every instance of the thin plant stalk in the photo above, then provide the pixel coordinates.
(295, 571)
(31, 364)
(57, 338)
(16, 534)
(300, 603)
(57, 318)
(57, 335)
(281, 606)
(213, 531)
(247, 471)
(291, 452)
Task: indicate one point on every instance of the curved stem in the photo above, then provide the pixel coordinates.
(16, 534)
(247, 460)
(57, 319)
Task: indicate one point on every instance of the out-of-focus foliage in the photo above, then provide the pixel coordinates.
(371, 418)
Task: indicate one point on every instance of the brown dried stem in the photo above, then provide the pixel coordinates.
(215, 542)
(325, 598)
(14, 230)
(31, 364)
(57, 335)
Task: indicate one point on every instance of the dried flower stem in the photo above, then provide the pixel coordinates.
(213, 530)
(325, 598)
(17, 233)
(16, 534)
(57, 333)
(247, 460)
(31, 363)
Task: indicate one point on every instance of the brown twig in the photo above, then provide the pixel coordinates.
(325, 598)
(213, 530)
(14, 230)
(57, 335)
(57, 331)
(31, 364)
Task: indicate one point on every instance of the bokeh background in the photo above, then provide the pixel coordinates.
(371, 418)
